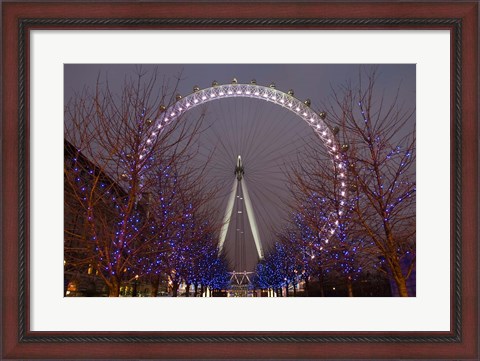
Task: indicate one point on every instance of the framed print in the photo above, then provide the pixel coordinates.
(57, 51)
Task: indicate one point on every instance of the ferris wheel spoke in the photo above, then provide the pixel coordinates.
(270, 130)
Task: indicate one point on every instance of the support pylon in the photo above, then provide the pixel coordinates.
(240, 187)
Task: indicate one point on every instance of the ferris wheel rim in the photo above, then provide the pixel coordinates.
(316, 120)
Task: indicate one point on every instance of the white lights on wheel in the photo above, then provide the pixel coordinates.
(317, 120)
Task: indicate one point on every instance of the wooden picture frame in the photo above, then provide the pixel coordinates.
(18, 18)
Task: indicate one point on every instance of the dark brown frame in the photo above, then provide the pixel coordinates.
(461, 342)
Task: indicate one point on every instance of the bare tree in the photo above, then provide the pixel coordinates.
(325, 219)
(375, 225)
(379, 138)
(191, 233)
(112, 172)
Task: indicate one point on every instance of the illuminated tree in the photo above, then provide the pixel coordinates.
(377, 139)
(111, 190)
(269, 273)
(381, 158)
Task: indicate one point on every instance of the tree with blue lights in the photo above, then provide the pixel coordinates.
(269, 273)
(375, 227)
(110, 175)
(382, 163)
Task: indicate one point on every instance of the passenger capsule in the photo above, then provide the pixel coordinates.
(149, 121)
(322, 115)
(214, 83)
(124, 176)
(272, 85)
(291, 92)
(253, 81)
(234, 81)
(178, 97)
(307, 102)
(335, 130)
(162, 108)
(196, 88)
(345, 147)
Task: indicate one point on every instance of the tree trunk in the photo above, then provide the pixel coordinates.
(294, 289)
(401, 285)
(187, 290)
(286, 289)
(174, 288)
(195, 290)
(399, 278)
(307, 286)
(155, 285)
(202, 289)
(113, 287)
(134, 293)
(320, 281)
(349, 287)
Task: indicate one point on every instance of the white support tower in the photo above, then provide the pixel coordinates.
(240, 187)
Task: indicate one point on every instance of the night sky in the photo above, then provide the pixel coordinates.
(266, 136)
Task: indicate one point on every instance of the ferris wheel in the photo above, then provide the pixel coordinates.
(258, 126)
